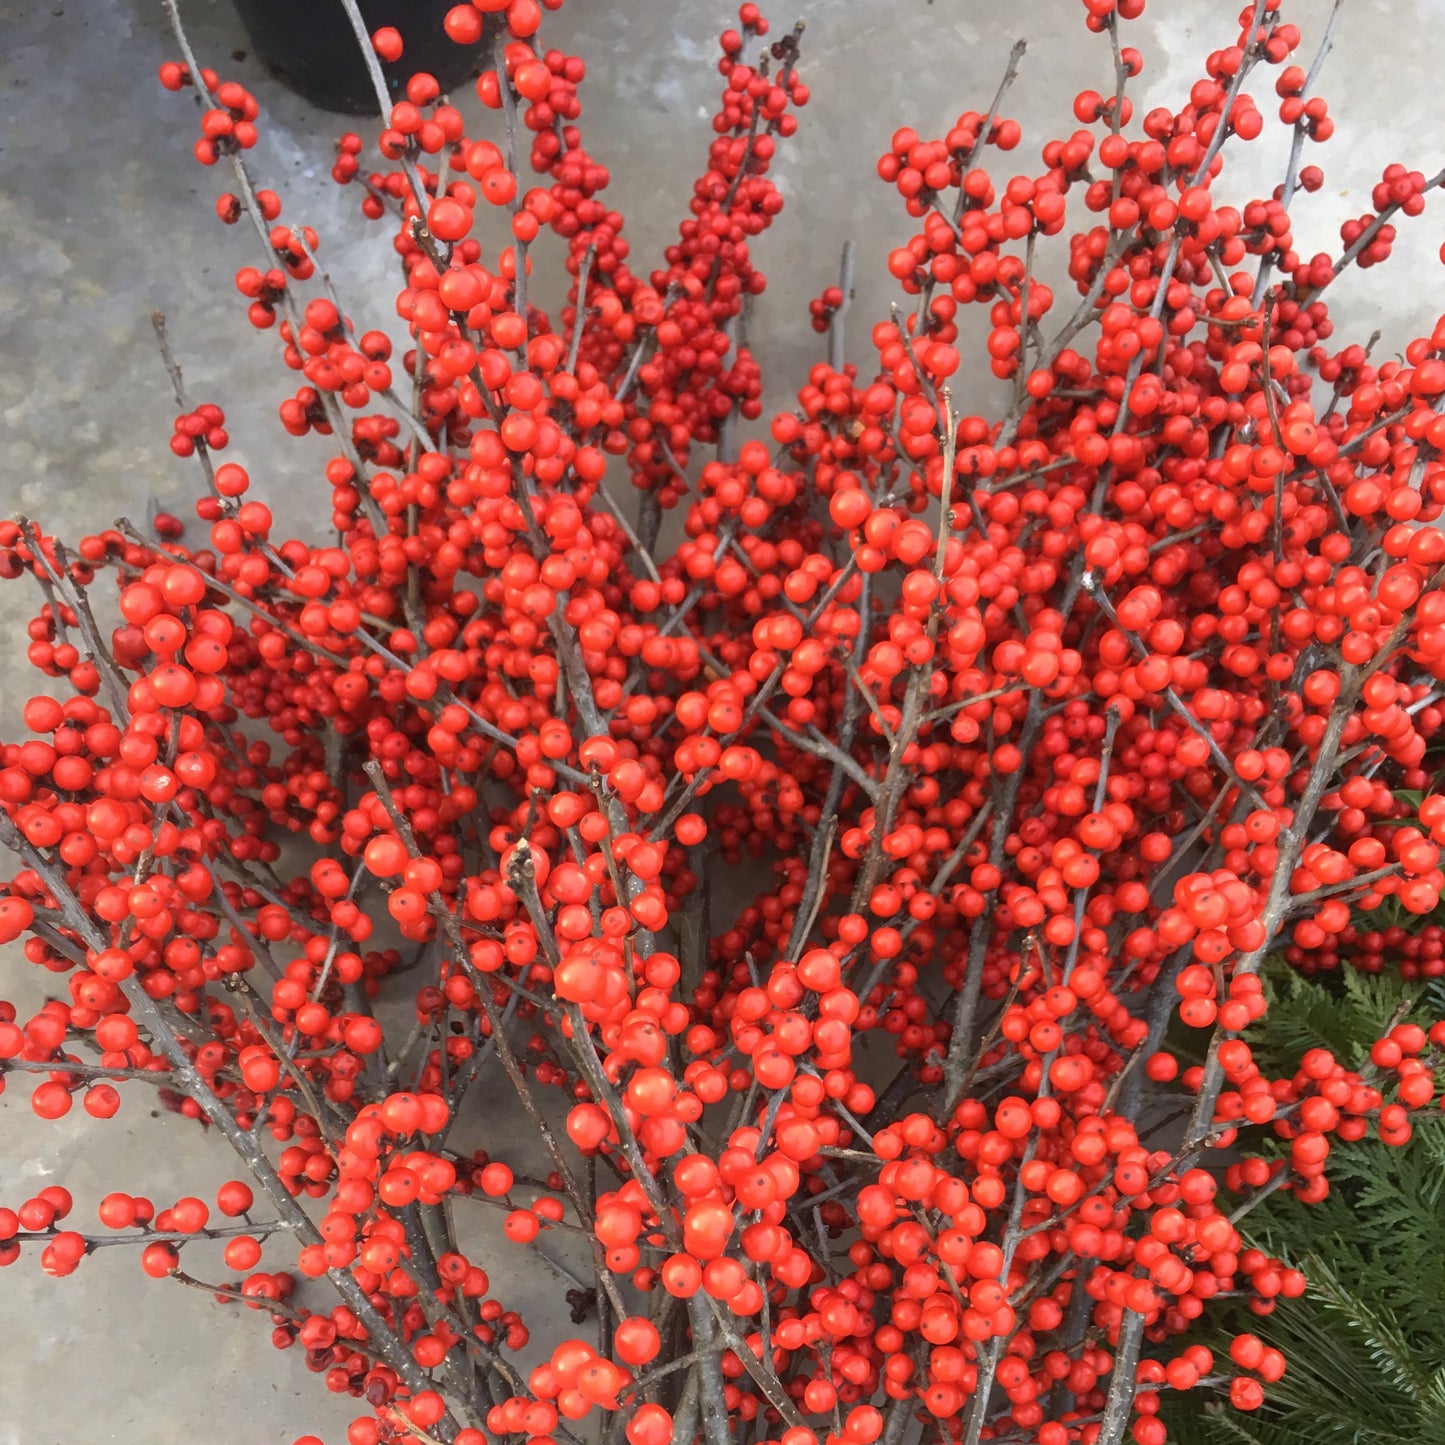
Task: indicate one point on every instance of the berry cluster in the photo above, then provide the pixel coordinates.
(206, 426)
(1039, 730)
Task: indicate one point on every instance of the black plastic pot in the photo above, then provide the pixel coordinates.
(310, 46)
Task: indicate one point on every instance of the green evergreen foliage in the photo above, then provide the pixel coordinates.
(1366, 1344)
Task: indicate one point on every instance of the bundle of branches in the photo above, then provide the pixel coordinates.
(1039, 726)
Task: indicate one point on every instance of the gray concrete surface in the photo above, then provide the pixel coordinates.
(104, 217)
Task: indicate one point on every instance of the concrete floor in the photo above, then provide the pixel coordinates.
(104, 217)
